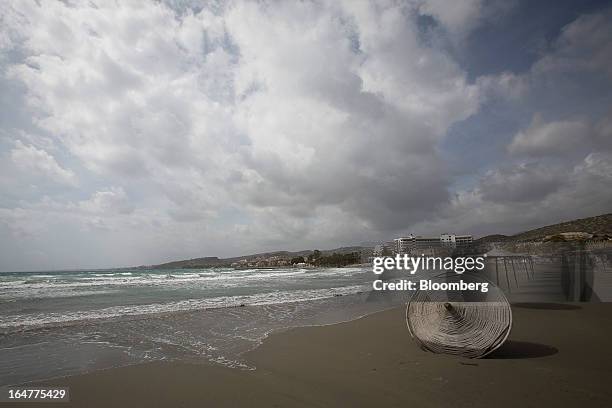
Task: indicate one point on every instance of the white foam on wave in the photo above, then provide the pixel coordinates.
(221, 278)
(21, 321)
(45, 293)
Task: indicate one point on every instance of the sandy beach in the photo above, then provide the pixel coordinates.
(557, 355)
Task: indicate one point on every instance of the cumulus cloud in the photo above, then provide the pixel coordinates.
(526, 182)
(246, 126)
(40, 163)
(456, 16)
(505, 85)
(550, 138)
(562, 138)
(583, 45)
(113, 201)
(276, 108)
(529, 195)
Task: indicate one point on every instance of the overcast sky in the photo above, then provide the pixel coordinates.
(141, 132)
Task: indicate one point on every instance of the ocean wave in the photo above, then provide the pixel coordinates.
(25, 321)
(31, 288)
(50, 293)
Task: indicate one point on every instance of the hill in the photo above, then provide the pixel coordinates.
(492, 238)
(600, 224)
(213, 261)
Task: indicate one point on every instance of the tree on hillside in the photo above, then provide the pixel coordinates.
(297, 260)
(338, 259)
(316, 254)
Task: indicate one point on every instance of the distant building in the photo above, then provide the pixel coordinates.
(403, 245)
(453, 241)
(463, 240)
(426, 242)
(448, 240)
(417, 244)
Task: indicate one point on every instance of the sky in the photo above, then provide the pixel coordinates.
(140, 132)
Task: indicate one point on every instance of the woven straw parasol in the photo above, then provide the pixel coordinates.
(468, 324)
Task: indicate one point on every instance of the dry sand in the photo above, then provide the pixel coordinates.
(557, 355)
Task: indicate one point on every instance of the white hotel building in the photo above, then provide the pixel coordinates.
(408, 244)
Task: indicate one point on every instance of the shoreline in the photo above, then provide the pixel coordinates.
(204, 362)
(218, 335)
(556, 354)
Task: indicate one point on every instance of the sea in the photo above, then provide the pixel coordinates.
(60, 323)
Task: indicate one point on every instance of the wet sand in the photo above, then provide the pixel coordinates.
(557, 355)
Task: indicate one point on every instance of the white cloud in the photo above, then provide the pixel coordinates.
(457, 19)
(505, 85)
(566, 139)
(572, 74)
(40, 163)
(111, 201)
(456, 16)
(510, 202)
(525, 182)
(550, 138)
(247, 125)
(583, 44)
(275, 99)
